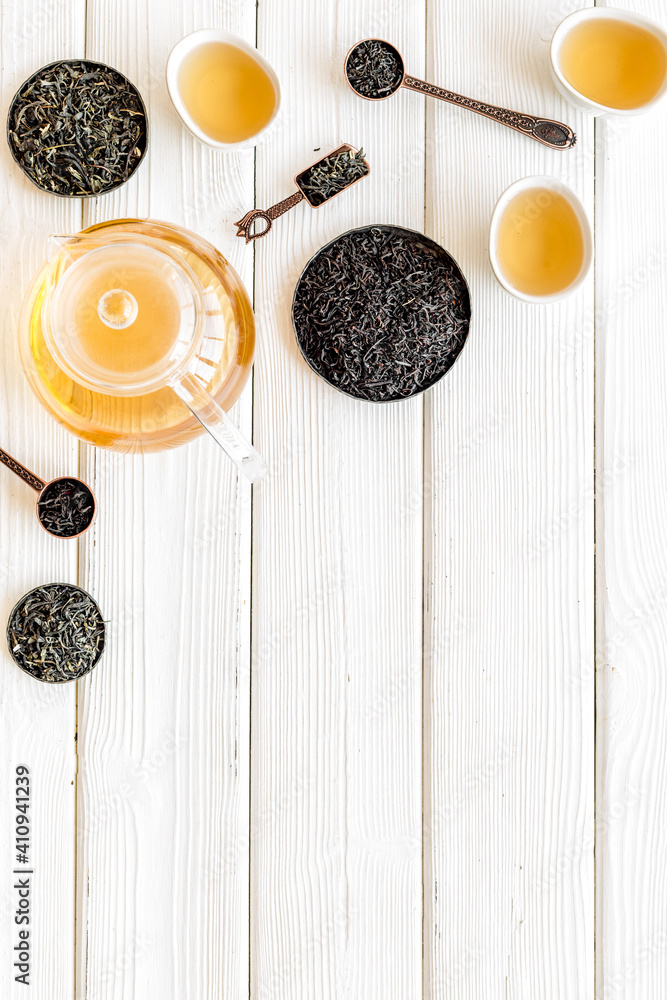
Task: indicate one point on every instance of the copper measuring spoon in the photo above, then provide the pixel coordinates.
(245, 226)
(46, 491)
(550, 133)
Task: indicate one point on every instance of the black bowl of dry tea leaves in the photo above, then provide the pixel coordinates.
(77, 128)
(381, 313)
(56, 633)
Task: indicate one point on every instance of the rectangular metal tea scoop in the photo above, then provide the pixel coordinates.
(317, 184)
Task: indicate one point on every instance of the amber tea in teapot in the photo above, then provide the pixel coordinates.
(135, 333)
(142, 303)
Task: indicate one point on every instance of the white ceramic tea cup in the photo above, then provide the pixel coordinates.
(588, 14)
(204, 37)
(550, 184)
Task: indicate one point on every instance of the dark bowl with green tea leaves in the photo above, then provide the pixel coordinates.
(77, 128)
(381, 313)
(56, 633)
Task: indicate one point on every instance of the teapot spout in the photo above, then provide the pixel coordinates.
(56, 244)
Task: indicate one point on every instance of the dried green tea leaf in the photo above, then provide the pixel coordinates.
(56, 633)
(332, 175)
(77, 128)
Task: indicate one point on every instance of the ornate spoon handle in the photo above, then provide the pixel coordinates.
(244, 225)
(544, 130)
(25, 474)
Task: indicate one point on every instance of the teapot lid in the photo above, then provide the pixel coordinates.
(123, 316)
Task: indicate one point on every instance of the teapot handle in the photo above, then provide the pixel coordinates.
(220, 426)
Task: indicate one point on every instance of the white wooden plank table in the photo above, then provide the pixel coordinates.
(392, 725)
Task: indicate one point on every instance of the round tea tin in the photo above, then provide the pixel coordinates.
(34, 669)
(331, 298)
(20, 143)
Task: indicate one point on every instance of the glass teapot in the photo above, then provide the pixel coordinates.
(137, 335)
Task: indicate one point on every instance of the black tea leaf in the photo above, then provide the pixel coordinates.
(381, 313)
(66, 507)
(374, 69)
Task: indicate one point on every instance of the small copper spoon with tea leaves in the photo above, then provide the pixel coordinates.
(65, 506)
(375, 70)
(317, 184)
